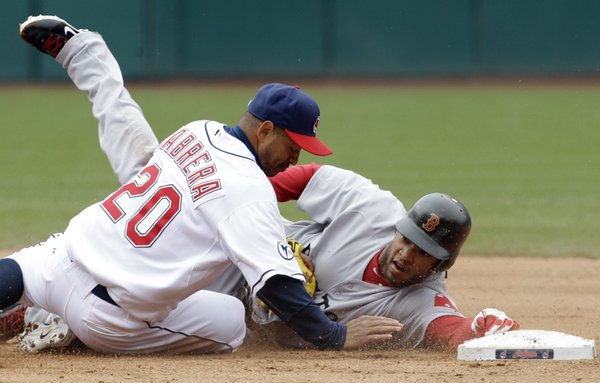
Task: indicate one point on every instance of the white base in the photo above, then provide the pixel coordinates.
(528, 344)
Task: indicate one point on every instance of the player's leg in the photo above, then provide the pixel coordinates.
(11, 290)
(43, 329)
(32, 263)
(125, 135)
(231, 282)
(206, 322)
(222, 320)
(48, 289)
(214, 322)
(11, 283)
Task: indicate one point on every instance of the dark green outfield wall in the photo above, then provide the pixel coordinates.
(345, 38)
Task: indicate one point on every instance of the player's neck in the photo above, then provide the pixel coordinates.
(372, 273)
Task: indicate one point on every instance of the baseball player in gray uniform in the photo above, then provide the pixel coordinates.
(129, 273)
(370, 256)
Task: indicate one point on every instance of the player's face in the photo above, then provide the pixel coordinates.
(402, 263)
(277, 151)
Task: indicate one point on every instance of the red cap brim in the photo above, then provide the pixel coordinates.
(309, 143)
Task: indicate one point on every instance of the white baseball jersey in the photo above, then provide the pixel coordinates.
(353, 219)
(200, 204)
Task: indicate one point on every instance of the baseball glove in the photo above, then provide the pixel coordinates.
(305, 265)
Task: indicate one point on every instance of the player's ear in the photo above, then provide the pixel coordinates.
(265, 129)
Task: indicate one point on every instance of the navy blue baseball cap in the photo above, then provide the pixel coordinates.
(292, 110)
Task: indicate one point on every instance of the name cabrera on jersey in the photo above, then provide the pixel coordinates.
(200, 204)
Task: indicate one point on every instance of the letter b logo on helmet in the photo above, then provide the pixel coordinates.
(431, 223)
(439, 225)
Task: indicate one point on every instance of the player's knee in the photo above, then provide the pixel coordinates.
(236, 327)
(11, 282)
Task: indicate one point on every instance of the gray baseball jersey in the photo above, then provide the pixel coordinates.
(352, 220)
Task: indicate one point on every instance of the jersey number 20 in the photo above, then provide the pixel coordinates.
(156, 211)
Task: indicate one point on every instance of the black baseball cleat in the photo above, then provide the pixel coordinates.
(49, 34)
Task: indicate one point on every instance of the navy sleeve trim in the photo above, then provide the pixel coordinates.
(287, 298)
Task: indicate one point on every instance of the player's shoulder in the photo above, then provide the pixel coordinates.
(215, 163)
(357, 189)
(205, 128)
(330, 174)
(211, 141)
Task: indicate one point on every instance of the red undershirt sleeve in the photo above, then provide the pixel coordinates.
(447, 332)
(290, 183)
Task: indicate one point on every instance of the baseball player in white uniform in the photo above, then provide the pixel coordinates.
(129, 273)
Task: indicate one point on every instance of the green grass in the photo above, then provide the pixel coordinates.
(523, 160)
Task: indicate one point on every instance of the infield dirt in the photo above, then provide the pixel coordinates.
(541, 293)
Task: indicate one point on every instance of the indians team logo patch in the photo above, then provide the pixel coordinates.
(431, 223)
(284, 251)
(316, 125)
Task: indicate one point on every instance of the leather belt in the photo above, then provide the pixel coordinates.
(101, 292)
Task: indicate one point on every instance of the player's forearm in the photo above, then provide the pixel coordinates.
(447, 332)
(287, 298)
(450, 331)
(290, 183)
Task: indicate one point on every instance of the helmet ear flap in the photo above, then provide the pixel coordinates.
(439, 225)
(437, 266)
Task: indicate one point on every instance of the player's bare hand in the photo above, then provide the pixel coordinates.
(370, 329)
(307, 261)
